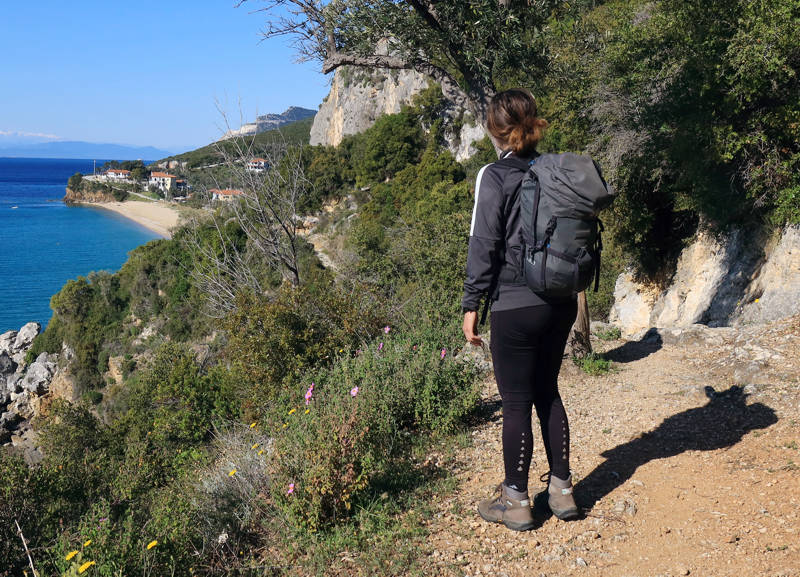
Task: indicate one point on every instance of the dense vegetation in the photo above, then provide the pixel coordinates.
(692, 108)
(343, 380)
(293, 426)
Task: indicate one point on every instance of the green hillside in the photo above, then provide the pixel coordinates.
(293, 133)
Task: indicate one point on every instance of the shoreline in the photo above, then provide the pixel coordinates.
(155, 216)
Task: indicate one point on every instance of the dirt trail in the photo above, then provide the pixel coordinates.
(687, 459)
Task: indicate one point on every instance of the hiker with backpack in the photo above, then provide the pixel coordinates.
(534, 245)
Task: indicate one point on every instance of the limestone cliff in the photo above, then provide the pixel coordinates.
(359, 97)
(267, 122)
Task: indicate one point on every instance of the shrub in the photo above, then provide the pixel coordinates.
(272, 341)
(362, 416)
(74, 182)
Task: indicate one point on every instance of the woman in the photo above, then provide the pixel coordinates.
(529, 331)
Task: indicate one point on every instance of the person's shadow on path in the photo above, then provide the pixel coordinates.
(720, 423)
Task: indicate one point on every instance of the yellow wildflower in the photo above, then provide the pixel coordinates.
(87, 543)
(285, 425)
(292, 412)
(341, 350)
(254, 446)
(70, 555)
(308, 411)
(85, 566)
(261, 452)
(232, 473)
(152, 544)
(252, 425)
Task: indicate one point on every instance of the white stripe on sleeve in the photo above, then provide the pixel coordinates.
(477, 191)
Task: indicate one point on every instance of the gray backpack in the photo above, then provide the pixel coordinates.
(560, 198)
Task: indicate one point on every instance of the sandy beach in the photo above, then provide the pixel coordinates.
(159, 217)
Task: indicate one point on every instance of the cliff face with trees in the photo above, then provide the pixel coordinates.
(297, 420)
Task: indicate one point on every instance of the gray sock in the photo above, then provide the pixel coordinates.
(516, 495)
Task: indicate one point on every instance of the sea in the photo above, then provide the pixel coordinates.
(44, 242)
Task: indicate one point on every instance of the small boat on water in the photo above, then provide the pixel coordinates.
(13, 207)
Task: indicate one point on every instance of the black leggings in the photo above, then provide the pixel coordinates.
(527, 347)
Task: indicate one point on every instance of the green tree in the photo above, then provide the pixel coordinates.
(74, 182)
(467, 47)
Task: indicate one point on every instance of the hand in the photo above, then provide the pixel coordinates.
(470, 328)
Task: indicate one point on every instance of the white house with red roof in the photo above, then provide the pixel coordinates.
(257, 165)
(163, 180)
(225, 195)
(118, 174)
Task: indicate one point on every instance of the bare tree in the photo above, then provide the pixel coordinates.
(263, 184)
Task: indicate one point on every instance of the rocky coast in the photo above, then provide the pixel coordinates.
(26, 389)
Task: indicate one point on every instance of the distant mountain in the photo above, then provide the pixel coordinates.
(77, 149)
(267, 122)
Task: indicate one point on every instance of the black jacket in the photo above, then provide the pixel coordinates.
(495, 244)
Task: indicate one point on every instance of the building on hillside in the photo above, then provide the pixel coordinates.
(163, 180)
(226, 195)
(257, 165)
(181, 184)
(118, 174)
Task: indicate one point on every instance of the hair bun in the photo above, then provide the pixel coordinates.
(512, 120)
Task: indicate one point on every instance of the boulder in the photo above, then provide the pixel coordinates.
(21, 405)
(25, 337)
(6, 340)
(37, 377)
(7, 364)
(9, 420)
(14, 383)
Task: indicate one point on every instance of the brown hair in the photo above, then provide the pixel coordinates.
(512, 120)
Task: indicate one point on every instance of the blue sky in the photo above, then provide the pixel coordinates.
(144, 73)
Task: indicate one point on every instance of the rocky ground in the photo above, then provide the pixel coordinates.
(687, 460)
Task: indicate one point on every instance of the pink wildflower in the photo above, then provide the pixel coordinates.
(386, 329)
(354, 391)
(380, 347)
(444, 354)
(291, 489)
(309, 394)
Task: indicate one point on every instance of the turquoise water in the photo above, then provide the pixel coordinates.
(44, 243)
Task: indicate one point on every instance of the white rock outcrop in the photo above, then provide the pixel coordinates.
(358, 98)
(736, 278)
(775, 290)
(23, 388)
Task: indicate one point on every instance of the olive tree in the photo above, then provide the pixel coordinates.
(468, 47)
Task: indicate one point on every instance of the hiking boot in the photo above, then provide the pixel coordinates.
(513, 513)
(559, 498)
